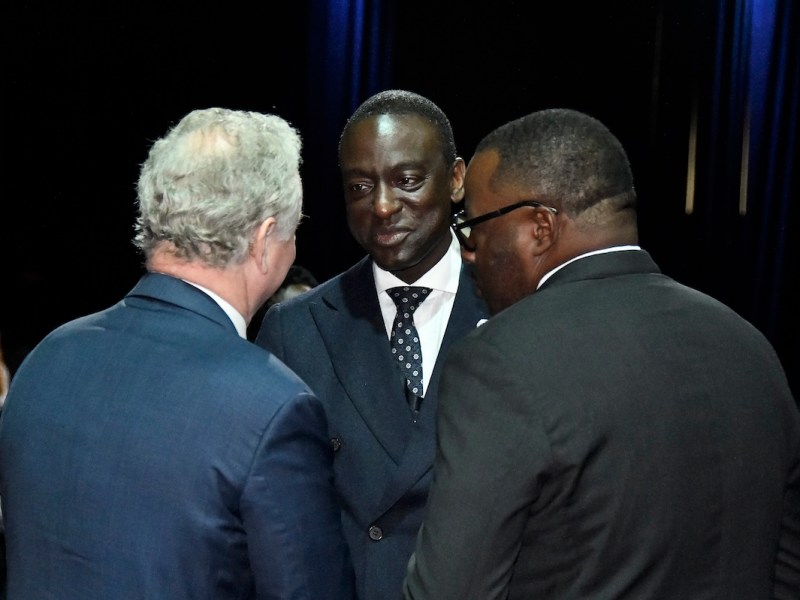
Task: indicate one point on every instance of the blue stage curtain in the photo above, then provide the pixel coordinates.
(771, 109)
(744, 118)
(349, 59)
(763, 58)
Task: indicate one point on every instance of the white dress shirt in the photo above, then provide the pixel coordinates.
(432, 316)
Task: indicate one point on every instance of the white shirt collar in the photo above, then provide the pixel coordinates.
(592, 253)
(444, 276)
(236, 318)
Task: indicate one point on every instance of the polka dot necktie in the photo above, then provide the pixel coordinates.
(406, 348)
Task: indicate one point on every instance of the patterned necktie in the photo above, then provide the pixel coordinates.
(405, 340)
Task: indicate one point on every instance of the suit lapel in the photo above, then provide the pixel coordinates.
(351, 312)
(468, 309)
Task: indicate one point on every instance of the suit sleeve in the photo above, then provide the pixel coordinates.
(490, 455)
(787, 563)
(290, 512)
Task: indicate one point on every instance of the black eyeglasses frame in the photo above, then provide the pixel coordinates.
(458, 224)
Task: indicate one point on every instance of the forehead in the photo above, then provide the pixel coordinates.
(392, 138)
(481, 194)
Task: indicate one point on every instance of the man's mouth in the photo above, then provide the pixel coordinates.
(390, 237)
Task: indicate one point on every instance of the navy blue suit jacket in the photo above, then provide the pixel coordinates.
(148, 451)
(334, 337)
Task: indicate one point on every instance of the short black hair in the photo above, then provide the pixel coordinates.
(567, 158)
(404, 102)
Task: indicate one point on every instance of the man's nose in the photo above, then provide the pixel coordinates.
(385, 204)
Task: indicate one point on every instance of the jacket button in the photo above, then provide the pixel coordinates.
(375, 533)
(336, 443)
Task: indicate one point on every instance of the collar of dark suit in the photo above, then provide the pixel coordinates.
(171, 290)
(608, 264)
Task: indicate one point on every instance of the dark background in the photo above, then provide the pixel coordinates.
(88, 87)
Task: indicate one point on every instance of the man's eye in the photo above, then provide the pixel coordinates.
(409, 181)
(358, 187)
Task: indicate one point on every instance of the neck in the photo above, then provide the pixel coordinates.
(227, 282)
(412, 274)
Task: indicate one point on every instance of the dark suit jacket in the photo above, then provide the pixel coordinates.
(147, 451)
(613, 435)
(334, 337)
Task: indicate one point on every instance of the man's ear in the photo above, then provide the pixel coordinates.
(544, 230)
(457, 180)
(260, 244)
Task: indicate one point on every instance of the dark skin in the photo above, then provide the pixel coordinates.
(398, 192)
(513, 252)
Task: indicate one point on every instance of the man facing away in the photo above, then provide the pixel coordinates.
(401, 176)
(609, 433)
(148, 450)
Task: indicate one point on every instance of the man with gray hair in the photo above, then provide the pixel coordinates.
(149, 450)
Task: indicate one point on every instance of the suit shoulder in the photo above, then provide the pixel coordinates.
(333, 290)
(259, 364)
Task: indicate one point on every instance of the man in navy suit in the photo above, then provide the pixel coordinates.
(609, 433)
(401, 176)
(149, 450)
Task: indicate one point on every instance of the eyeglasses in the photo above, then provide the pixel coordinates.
(463, 227)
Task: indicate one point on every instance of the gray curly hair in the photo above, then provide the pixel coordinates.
(213, 179)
